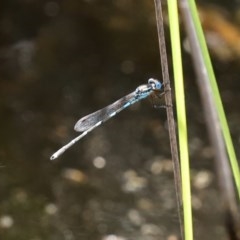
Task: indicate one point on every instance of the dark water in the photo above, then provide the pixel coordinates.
(61, 60)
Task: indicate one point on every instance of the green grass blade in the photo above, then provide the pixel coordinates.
(217, 97)
(181, 118)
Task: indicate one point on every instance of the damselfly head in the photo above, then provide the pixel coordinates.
(155, 84)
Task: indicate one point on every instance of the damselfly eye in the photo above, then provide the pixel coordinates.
(156, 85)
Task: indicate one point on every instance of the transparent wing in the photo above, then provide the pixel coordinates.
(104, 114)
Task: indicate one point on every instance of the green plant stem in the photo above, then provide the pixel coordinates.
(181, 118)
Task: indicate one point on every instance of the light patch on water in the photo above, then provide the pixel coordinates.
(99, 162)
(6, 221)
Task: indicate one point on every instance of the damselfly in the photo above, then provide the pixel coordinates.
(93, 120)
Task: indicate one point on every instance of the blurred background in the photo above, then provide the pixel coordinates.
(61, 60)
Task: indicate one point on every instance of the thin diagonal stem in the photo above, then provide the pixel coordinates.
(168, 99)
(205, 76)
